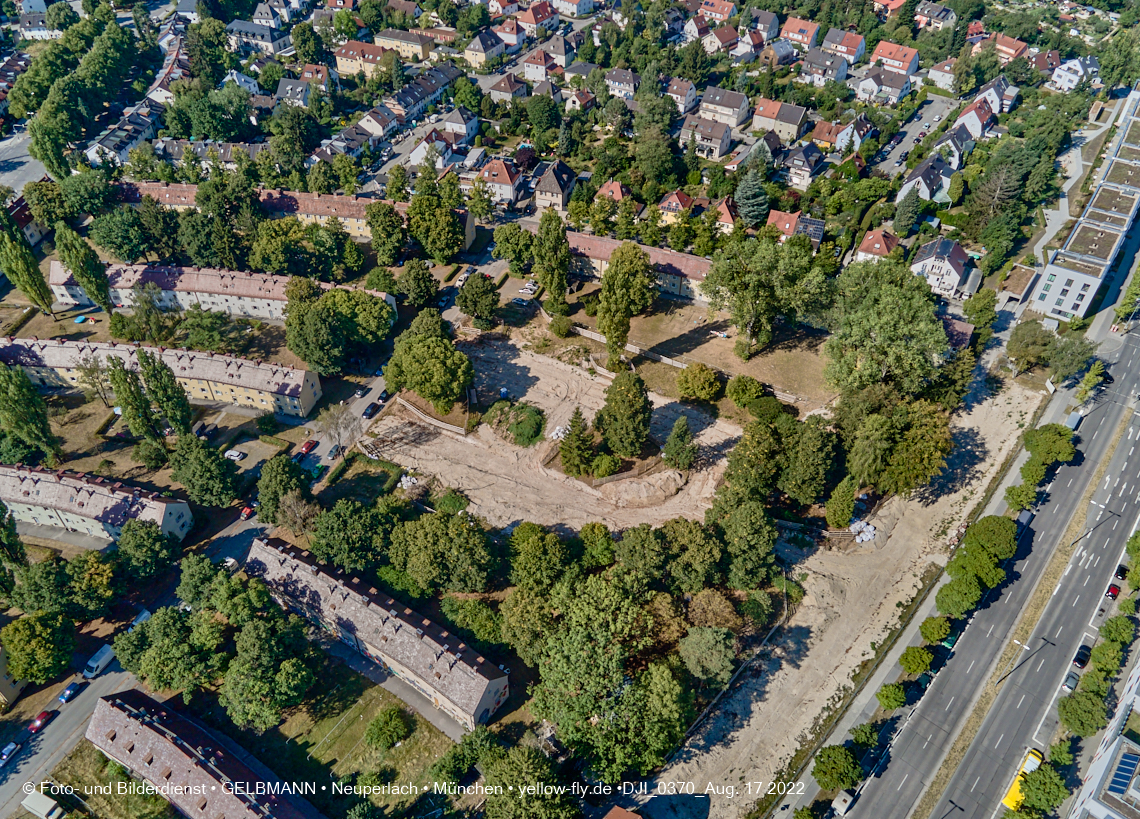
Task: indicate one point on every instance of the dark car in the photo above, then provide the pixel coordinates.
(904, 155)
(297, 457)
(384, 396)
(1121, 572)
(371, 410)
(1112, 592)
(359, 392)
(9, 751)
(1106, 378)
(42, 719)
(68, 694)
(1082, 657)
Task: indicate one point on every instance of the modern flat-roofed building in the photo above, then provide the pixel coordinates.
(95, 506)
(438, 664)
(206, 377)
(198, 772)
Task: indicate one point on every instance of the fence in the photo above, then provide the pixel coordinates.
(633, 473)
(427, 419)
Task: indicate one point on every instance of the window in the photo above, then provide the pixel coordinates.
(1052, 278)
(1065, 292)
(1045, 288)
(1084, 288)
(1059, 301)
(1068, 282)
(1081, 297)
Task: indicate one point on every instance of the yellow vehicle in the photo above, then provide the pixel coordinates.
(1032, 761)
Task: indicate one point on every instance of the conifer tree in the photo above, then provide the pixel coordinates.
(577, 449)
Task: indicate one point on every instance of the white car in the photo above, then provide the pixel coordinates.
(234, 455)
(938, 118)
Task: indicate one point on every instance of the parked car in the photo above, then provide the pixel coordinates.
(1081, 659)
(69, 693)
(1071, 680)
(520, 302)
(247, 513)
(358, 393)
(297, 457)
(1112, 592)
(42, 719)
(234, 455)
(370, 411)
(335, 452)
(1121, 572)
(904, 156)
(9, 751)
(938, 118)
(384, 396)
(1106, 378)
(308, 446)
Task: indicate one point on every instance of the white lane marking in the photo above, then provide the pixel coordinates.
(991, 631)
(1121, 494)
(1114, 524)
(968, 670)
(1059, 630)
(976, 781)
(1067, 568)
(1107, 478)
(1116, 484)
(1086, 581)
(1096, 434)
(899, 788)
(1097, 560)
(928, 740)
(1070, 483)
(1039, 665)
(1020, 701)
(1075, 599)
(999, 741)
(947, 708)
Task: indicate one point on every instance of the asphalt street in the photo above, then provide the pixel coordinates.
(919, 748)
(932, 113)
(17, 167)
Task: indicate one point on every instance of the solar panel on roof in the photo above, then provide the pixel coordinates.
(1123, 774)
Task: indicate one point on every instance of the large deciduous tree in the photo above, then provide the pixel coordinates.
(552, 260)
(209, 479)
(628, 288)
(280, 475)
(78, 257)
(23, 413)
(38, 646)
(389, 234)
(165, 391)
(431, 368)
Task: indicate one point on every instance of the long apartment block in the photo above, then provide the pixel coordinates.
(209, 378)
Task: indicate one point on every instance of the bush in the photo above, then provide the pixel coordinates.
(742, 390)
(450, 503)
(521, 423)
(891, 696)
(699, 382)
(390, 726)
(916, 660)
(560, 326)
(267, 423)
(934, 629)
(758, 608)
(151, 454)
(589, 302)
(605, 465)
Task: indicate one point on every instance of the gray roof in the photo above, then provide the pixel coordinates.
(439, 660)
(292, 89)
(581, 68)
(724, 98)
(622, 76)
(483, 42)
(702, 127)
(931, 170)
(558, 46)
(808, 154)
(557, 179)
(763, 19)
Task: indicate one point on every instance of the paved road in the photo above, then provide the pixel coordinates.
(43, 751)
(935, 107)
(917, 753)
(17, 167)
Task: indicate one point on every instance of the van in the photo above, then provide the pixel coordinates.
(43, 806)
(144, 615)
(1074, 420)
(98, 664)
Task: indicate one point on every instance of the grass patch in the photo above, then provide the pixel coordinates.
(361, 479)
(272, 440)
(86, 767)
(520, 423)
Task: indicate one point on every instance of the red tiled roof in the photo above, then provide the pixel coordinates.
(785, 222)
(878, 243)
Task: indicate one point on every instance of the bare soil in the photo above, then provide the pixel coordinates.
(851, 604)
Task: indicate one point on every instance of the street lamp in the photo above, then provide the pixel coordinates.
(1013, 660)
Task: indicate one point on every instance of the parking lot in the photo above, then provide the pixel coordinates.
(932, 113)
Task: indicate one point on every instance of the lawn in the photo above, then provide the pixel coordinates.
(323, 740)
(86, 767)
(364, 481)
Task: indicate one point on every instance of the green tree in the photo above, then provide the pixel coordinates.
(195, 586)
(164, 390)
(865, 735)
(980, 308)
(389, 234)
(628, 288)
(808, 455)
(624, 419)
(38, 646)
(442, 551)
(44, 586)
(135, 404)
(345, 535)
(577, 447)
(47, 202)
(1044, 789)
(417, 284)
(174, 650)
(392, 725)
(514, 244)
(552, 259)
(934, 629)
(269, 672)
(958, 597)
(18, 263)
(280, 475)
(478, 297)
(752, 199)
(208, 478)
(1029, 345)
(397, 187)
(891, 696)
(144, 551)
(306, 43)
(909, 209)
(836, 768)
(525, 764)
(699, 382)
(1021, 496)
(915, 660)
(121, 233)
(431, 368)
(709, 654)
(538, 558)
(78, 257)
(479, 201)
(23, 413)
(92, 584)
(1118, 629)
(1082, 713)
(680, 450)
(841, 505)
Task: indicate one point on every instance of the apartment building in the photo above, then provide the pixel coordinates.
(943, 264)
(88, 504)
(413, 47)
(413, 99)
(207, 377)
(713, 140)
(438, 664)
(355, 57)
(677, 274)
(484, 46)
(177, 151)
(728, 107)
(138, 124)
(10, 689)
(821, 67)
(199, 773)
(245, 36)
(554, 187)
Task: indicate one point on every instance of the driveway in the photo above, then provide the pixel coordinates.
(935, 107)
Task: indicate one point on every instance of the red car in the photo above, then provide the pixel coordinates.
(1113, 592)
(246, 513)
(39, 722)
(308, 446)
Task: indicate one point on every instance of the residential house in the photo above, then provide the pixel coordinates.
(895, 57)
(379, 122)
(1006, 48)
(943, 263)
(484, 46)
(10, 689)
(90, 505)
(433, 661)
(801, 33)
(511, 33)
(854, 134)
(554, 187)
(1067, 76)
(977, 118)
(502, 8)
(622, 83)
(750, 44)
(538, 66)
(821, 67)
(847, 44)
(677, 274)
(787, 120)
(336, 5)
(548, 89)
(1000, 93)
(138, 124)
(244, 36)
(413, 99)
(1046, 61)
(955, 145)
(883, 87)
(355, 57)
(932, 179)
(777, 53)
(802, 164)
(204, 152)
(560, 49)
(293, 92)
(574, 8)
(579, 69)
(721, 105)
(614, 190)
(539, 15)
(508, 88)
(696, 28)
(720, 39)
(765, 22)
(887, 9)
(326, 78)
(264, 15)
(683, 93)
(239, 79)
(21, 214)
(53, 364)
(796, 224)
(713, 139)
(942, 74)
(718, 10)
(175, 67)
(877, 244)
(726, 215)
(673, 204)
(34, 27)
(462, 123)
(825, 134)
(975, 32)
(187, 10)
(432, 140)
(580, 101)
(502, 179)
(412, 47)
(934, 16)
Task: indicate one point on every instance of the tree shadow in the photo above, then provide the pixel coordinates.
(677, 806)
(265, 343)
(496, 367)
(962, 466)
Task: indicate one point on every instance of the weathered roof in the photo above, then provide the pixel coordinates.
(557, 179)
(878, 243)
(723, 98)
(693, 268)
